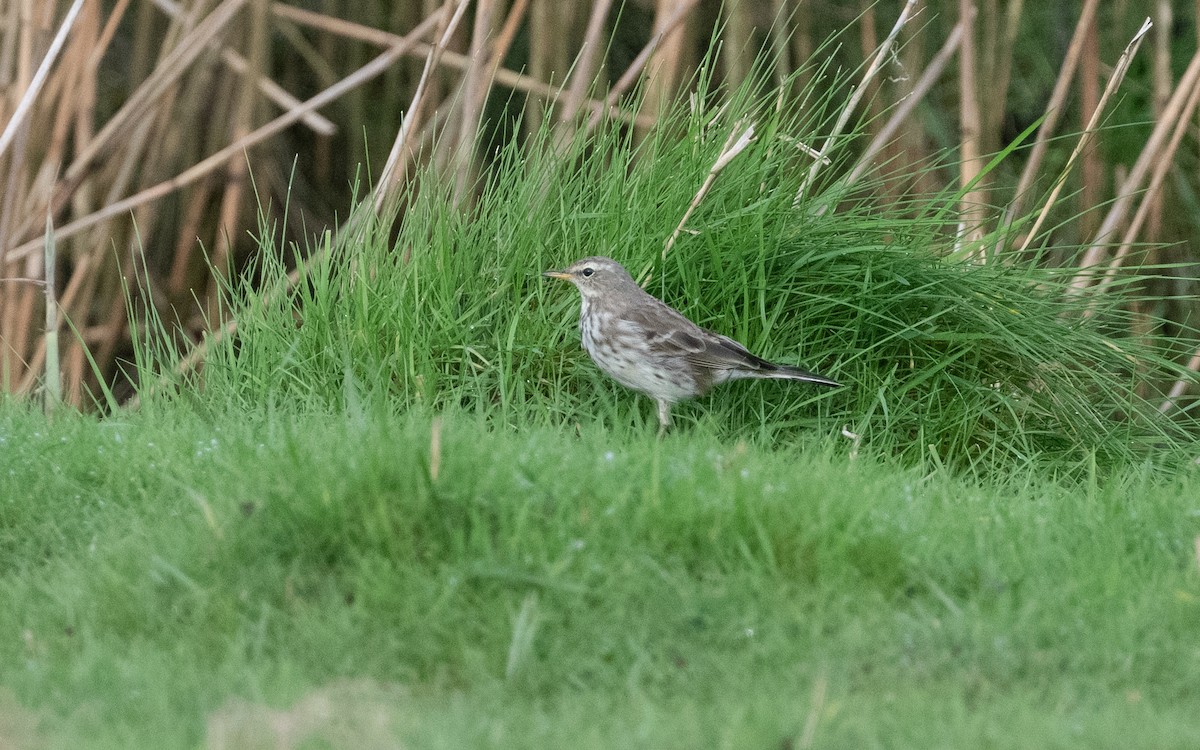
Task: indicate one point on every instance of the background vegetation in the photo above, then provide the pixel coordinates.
(162, 128)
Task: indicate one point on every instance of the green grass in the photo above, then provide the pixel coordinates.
(164, 570)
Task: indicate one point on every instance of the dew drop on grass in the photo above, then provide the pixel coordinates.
(609, 456)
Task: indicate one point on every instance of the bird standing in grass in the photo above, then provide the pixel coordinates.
(644, 344)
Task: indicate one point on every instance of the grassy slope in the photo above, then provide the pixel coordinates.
(606, 591)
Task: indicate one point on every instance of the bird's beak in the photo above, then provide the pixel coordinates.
(557, 275)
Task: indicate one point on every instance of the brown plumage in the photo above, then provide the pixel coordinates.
(644, 344)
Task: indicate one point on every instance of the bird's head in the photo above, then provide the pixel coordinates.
(595, 276)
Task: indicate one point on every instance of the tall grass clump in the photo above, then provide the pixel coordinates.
(959, 362)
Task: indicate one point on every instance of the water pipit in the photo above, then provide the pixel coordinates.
(644, 344)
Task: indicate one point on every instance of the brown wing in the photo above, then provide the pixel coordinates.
(723, 353)
(674, 335)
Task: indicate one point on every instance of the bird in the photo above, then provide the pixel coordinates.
(648, 346)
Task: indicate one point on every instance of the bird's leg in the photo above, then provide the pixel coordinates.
(664, 416)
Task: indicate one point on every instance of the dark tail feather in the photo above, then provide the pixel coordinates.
(787, 372)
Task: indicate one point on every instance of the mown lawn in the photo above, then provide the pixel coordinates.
(187, 578)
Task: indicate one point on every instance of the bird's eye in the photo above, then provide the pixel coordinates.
(588, 271)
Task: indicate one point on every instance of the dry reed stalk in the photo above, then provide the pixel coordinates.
(375, 67)
(734, 145)
(780, 51)
(503, 76)
(71, 115)
(74, 303)
(668, 26)
(392, 174)
(504, 40)
(664, 66)
(73, 118)
(913, 147)
(446, 93)
(175, 63)
(75, 92)
(17, 119)
(189, 229)
(35, 84)
(900, 113)
(12, 299)
(490, 58)
(16, 304)
(554, 28)
(114, 319)
(587, 61)
(1128, 189)
(1178, 388)
(66, 189)
(53, 384)
(1161, 86)
(802, 38)
(77, 84)
(76, 300)
(970, 159)
(273, 91)
(475, 87)
(146, 39)
(1091, 166)
(1114, 81)
(737, 42)
(876, 65)
(1055, 105)
(1002, 68)
(9, 24)
(583, 75)
(987, 38)
(437, 125)
(1150, 197)
(237, 170)
(868, 39)
(106, 35)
